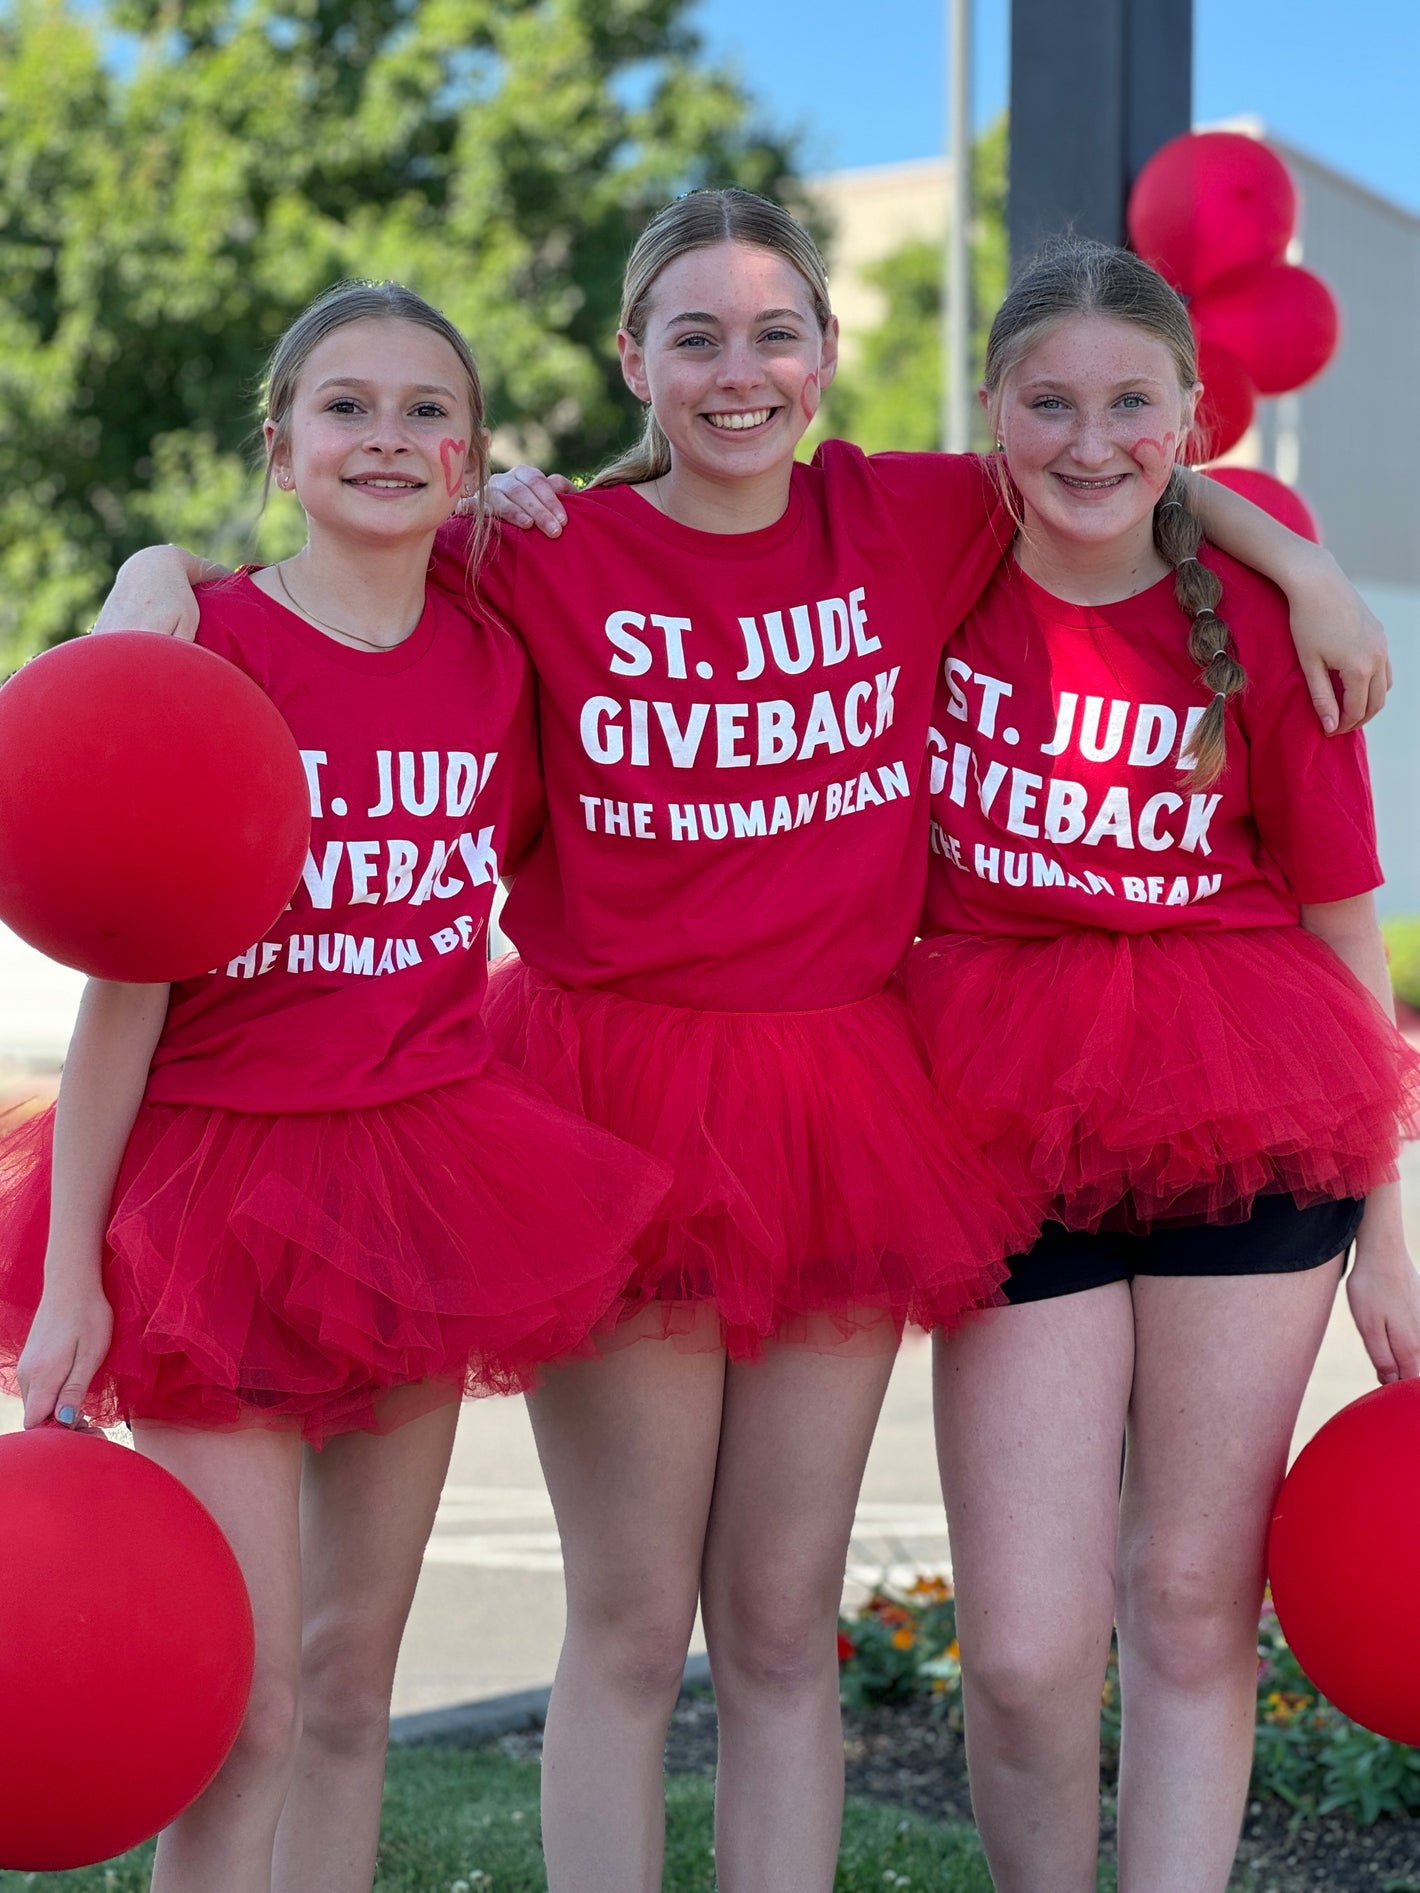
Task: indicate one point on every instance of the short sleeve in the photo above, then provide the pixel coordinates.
(955, 520)
(1310, 793)
(449, 566)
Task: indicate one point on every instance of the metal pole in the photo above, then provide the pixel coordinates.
(956, 287)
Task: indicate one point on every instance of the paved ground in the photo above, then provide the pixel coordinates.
(488, 1617)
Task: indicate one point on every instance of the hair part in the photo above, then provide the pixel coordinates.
(1077, 277)
(699, 221)
(354, 301)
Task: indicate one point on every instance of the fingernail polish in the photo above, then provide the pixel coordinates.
(66, 1416)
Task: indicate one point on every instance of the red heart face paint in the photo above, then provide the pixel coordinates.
(810, 396)
(454, 455)
(1156, 457)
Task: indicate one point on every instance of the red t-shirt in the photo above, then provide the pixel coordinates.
(422, 765)
(733, 729)
(1057, 797)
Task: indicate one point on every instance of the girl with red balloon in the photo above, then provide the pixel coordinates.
(736, 656)
(296, 1200)
(1154, 990)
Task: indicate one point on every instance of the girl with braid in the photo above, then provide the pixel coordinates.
(1152, 984)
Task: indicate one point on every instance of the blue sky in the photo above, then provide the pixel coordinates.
(863, 79)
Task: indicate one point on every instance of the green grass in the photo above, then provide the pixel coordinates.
(468, 1820)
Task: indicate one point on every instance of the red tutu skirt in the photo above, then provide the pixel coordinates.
(1125, 1077)
(820, 1194)
(313, 1272)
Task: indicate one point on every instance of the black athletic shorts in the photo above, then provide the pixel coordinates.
(1279, 1238)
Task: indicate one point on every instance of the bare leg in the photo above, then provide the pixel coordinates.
(795, 1437)
(628, 1445)
(367, 1507)
(1031, 1405)
(1222, 1363)
(249, 1481)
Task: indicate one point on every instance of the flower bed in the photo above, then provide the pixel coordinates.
(901, 1647)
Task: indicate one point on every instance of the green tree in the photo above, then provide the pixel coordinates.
(179, 176)
(891, 395)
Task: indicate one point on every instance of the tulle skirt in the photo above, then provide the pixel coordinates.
(334, 1272)
(1124, 1077)
(820, 1194)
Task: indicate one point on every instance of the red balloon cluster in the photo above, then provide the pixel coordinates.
(1273, 496)
(1214, 212)
(1344, 1560)
(126, 1658)
(154, 814)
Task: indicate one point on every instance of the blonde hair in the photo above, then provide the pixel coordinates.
(1075, 277)
(336, 308)
(698, 222)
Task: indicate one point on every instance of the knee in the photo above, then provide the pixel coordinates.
(345, 1690)
(635, 1649)
(271, 1728)
(1034, 1680)
(776, 1640)
(1187, 1618)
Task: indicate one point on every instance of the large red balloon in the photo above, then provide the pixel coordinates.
(1209, 203)
(154, 814)
(1281, 322)
(125, 1649)
(1226, 406)
(1272, 495)
(1344, 1560)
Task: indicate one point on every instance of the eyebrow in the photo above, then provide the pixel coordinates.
(354, 381)
(1126, 381)
(703, 316)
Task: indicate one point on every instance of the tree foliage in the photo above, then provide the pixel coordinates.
(891, 395)
(178, 177)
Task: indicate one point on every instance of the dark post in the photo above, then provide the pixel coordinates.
(1096, 87)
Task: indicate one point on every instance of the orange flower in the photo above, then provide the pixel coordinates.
(903, 1639)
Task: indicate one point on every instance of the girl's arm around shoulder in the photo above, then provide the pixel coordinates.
(153, 591)
(1383, 1288)
(104, 1077)
(1333, 627)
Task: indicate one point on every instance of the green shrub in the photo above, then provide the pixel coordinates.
(902, 1645)
(1402, 945)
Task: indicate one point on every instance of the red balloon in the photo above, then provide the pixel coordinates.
(154, 815)
(1344, 1561)
(1272, 495)
(1209, 203)
(1281, 322)
(1225, 408)
(126, 1655)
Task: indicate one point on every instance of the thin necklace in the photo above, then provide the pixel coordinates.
(372, 644)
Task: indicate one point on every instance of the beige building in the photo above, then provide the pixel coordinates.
(1350, 442)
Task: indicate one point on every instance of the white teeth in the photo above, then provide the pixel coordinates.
(735, 423)
(389, 486)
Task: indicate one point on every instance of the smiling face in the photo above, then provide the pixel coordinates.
(376, 441)
(733, 361)
(1093, 420)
